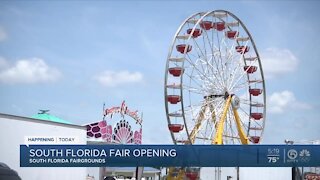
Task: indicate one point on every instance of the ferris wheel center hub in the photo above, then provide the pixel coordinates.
(213, 96)
(225, 96)
(235, 101)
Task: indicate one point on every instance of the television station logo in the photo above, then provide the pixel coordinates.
(290, 156)
(304, 155)
(294, 156)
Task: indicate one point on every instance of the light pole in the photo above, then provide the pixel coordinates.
(293, 170)
(288, 142)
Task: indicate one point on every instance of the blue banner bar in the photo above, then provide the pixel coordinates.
(170, 155)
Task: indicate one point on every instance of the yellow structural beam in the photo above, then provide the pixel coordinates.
(179, 176)
(219, 130)
(244, 139)
(169, 174)
(213, 115)
(196, 128)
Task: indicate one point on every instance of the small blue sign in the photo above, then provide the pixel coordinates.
(170, 155)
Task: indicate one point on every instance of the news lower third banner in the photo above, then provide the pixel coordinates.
(170, 155)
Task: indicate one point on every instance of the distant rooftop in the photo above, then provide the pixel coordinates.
(44, 115)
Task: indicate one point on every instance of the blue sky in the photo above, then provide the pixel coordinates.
(72, 56)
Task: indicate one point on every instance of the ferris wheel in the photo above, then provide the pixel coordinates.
(214, 84)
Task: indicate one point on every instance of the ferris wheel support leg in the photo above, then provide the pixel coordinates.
(179, 176)
(213, 115)
(243, 137)
(218, 136)
(196, 128)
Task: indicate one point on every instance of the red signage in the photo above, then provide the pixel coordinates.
(311, 176)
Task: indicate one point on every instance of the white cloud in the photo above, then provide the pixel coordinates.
(3, 34)
(278, 62)
(114, 79)
(279, 102)
(27, 71)
(3, 63)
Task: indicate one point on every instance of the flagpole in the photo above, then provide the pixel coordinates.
(103, 110)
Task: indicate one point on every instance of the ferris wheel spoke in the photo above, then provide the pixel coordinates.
(233, 75)
(208, 128)
(257, 124)
(198, 48)
(195, 67)
(220, 58)
(231, 54)
(213, 59)
(245, 112)
(216, 111)
(194, 89)
(236, 72)
(220, 78)
(211, 48)
(240, 86)
(235, 82)
(239, 79)
(205, 58)
(192, 78)
(200, 104)
(228, 61)
(252, 103)
(217, 79)
(190, 108)
(204, 77)
(223, 71)
(198, 59)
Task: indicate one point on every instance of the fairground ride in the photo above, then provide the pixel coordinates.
(214, 85)
(120, 125)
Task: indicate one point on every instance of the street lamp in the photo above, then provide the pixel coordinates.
(287, 141)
